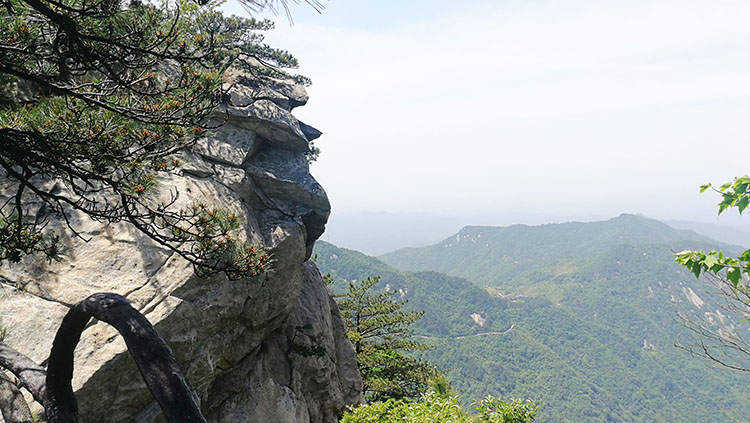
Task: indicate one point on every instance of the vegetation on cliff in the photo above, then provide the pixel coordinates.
(395, 382)
(382, 336)
(433, 407)
(95, 99)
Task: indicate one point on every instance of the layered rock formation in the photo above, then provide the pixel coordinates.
(271, 348)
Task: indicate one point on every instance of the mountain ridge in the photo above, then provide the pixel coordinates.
(592, 335)
(506, 252)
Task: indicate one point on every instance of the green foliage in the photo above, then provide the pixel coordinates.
(565, 325)
(432, 408)
(382, 337)
(312, 154)
(97, 96)
(699, 262)
(721, 345)
(21, 238)
(441, 385)
(495, 410)
(734, 194)
(523, 255)
(212, 243)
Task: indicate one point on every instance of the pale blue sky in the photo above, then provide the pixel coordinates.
(576, 108)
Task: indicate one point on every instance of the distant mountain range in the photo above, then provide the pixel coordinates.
(499, 256)
(377, 233)
(722, 233)
(581, 317)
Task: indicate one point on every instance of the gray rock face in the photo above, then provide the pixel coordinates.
(302, 372)
(271, 348)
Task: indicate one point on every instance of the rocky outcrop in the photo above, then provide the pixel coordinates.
(271, 348)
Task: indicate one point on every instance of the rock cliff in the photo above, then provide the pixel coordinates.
(271, 348)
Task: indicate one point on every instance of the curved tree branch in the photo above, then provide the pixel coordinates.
(150, 353)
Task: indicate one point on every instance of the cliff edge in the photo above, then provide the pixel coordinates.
(271, 348)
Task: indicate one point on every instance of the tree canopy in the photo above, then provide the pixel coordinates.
(399, 387)
(96, 96)
(382, 337)
(433, 407)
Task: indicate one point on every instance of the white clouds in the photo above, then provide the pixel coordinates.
(489, 105)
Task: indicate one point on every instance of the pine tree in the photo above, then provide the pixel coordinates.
(95, 98)
(381, 333)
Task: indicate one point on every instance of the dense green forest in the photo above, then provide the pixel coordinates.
(579, 317)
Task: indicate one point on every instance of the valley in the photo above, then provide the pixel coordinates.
(581, 317)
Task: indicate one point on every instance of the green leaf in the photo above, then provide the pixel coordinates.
(716, 268)
(704, 187)
(742, 203)
(695, 267)
(711, 261)
(733, 275)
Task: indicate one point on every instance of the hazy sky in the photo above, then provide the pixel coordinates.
(576, 108)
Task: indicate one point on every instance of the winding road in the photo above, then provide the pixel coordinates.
(467, 336)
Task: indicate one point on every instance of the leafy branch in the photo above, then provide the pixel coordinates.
(734, 194)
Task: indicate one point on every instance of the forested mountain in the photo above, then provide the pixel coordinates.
(515, 255)
(581, 317)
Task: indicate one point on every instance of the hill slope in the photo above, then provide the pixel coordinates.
(588, 333)
(503, 256)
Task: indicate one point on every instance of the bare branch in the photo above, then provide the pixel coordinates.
(12, 404)
(30, 375)
(719, 341)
